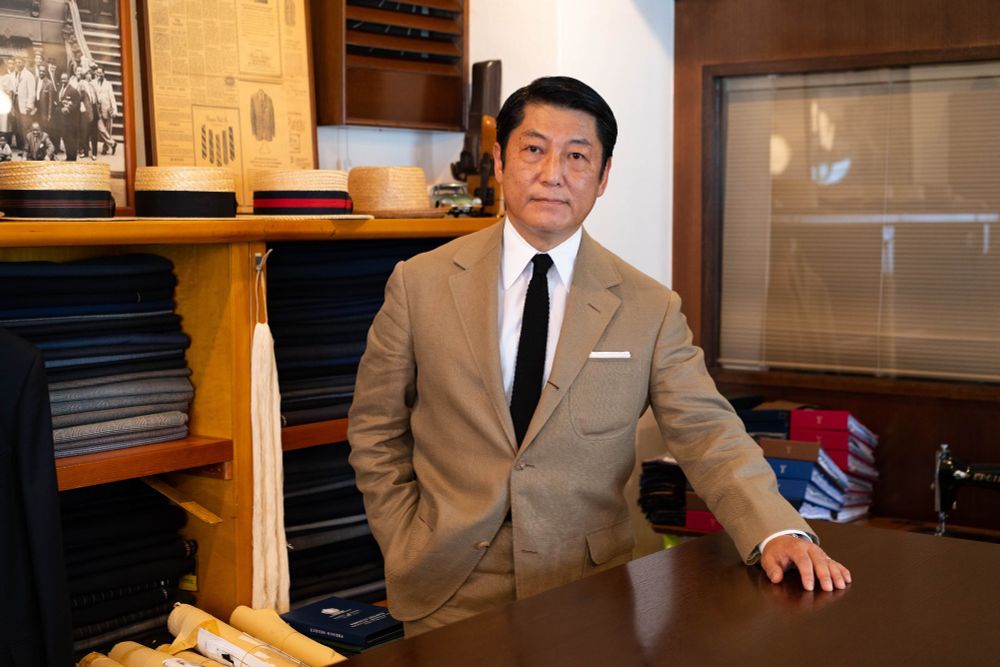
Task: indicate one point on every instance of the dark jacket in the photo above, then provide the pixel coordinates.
(35, 614)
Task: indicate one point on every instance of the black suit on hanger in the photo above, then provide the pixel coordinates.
(34, 613)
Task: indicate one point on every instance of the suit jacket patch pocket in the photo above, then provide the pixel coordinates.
(612, 545)
(602, 398)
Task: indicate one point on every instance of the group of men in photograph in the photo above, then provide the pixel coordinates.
(70, 114)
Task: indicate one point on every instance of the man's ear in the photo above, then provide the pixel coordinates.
(604, 178)
(498, 162)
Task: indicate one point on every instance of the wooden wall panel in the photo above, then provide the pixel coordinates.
(715, 37)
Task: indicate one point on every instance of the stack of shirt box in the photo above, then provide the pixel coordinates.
(322, 299)
(113, 347)
(332, 550)
(124, 560)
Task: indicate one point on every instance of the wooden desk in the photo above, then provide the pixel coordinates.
(916, 600)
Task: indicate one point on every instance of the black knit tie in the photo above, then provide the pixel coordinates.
(530, 364)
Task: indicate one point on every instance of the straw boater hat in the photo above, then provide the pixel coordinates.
(56, 190)
(304, 193)
(392, 192)
(208, 192)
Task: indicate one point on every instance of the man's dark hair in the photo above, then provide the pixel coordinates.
(559, 91)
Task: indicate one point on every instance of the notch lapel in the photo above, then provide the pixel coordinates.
(474, 291)
(589, 308)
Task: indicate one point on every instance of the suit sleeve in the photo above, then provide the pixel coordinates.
(723, 464)
(379, 420)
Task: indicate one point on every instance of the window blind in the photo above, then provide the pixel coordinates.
(860, 212)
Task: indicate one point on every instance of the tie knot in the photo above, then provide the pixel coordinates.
(542, 263)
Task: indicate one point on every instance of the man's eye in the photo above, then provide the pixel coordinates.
(534, 149)
(577, 156)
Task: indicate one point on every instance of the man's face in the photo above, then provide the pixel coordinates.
(79, 72)
(551, 173)
(18, 64)
(35, 129)
(64, 79)
(100, 74)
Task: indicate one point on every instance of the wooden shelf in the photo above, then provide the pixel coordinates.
(128, 231)
(74, 472)
(310, 435)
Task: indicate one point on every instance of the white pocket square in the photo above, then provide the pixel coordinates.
(610, 355)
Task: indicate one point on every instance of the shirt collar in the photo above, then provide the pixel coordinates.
(517, 253)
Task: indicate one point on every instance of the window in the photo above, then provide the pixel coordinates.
(860, 212)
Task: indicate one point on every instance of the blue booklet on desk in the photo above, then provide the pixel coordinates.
(345, 623)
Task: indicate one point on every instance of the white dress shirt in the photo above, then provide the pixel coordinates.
(515, 273)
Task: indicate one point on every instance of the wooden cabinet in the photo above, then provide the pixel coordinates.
(214, 264)
(391, 64)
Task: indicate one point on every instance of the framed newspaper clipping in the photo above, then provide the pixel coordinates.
(66, 80)
(228, 84)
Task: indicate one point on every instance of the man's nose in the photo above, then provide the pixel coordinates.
(552, 168)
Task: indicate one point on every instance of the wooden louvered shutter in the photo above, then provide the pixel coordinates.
(391, 64)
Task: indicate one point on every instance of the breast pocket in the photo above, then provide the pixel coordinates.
(603, 401)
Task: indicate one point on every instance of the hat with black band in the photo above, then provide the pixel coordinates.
(56, 190)
(208, 192)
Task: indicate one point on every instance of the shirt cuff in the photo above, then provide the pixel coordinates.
(796, 533)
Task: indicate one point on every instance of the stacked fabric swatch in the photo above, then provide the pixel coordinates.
(113, 347)
(124, 559)
(321, 300)
(333, 551)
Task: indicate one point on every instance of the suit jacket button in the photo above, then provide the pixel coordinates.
(482, 545)
(519, 466)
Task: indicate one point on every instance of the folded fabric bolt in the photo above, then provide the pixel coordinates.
(122, 377)
(89, 405)
(88, 309)
(86, 372)
(138, 424)
(95, 659)
(111, 358)
(196, 629)
(105, 265)
(115, 442)
(146, 387)
(265, 624)
(132, 654)
(14, 322)
(96, 416)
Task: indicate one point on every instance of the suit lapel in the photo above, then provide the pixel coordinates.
(475, 293)
(589, 308)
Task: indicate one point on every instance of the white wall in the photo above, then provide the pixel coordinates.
(624, 49)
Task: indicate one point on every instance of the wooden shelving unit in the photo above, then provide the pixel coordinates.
(75, 472)
(214, 264)
(310, 435)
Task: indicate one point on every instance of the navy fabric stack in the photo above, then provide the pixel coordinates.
(662, 488)
(332, 550)
(124, 559)
(113, 347)
(321, 300)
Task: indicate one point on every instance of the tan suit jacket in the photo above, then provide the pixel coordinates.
(433, 443)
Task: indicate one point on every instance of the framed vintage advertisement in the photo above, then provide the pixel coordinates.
(228, 84)
(66, 68)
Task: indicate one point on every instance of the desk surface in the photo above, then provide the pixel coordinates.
(916, 600)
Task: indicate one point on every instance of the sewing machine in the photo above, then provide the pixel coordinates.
(950, 474)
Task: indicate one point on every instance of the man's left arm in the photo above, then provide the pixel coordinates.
(724, 465)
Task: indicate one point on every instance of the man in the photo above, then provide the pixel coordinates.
(473, 503)
(45, 102)
(5, 153)
(37, 145)
(89, 115)
(23, 109)
(68, 107)
(107, 109)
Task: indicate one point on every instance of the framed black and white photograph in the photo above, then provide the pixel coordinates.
(66, 85)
